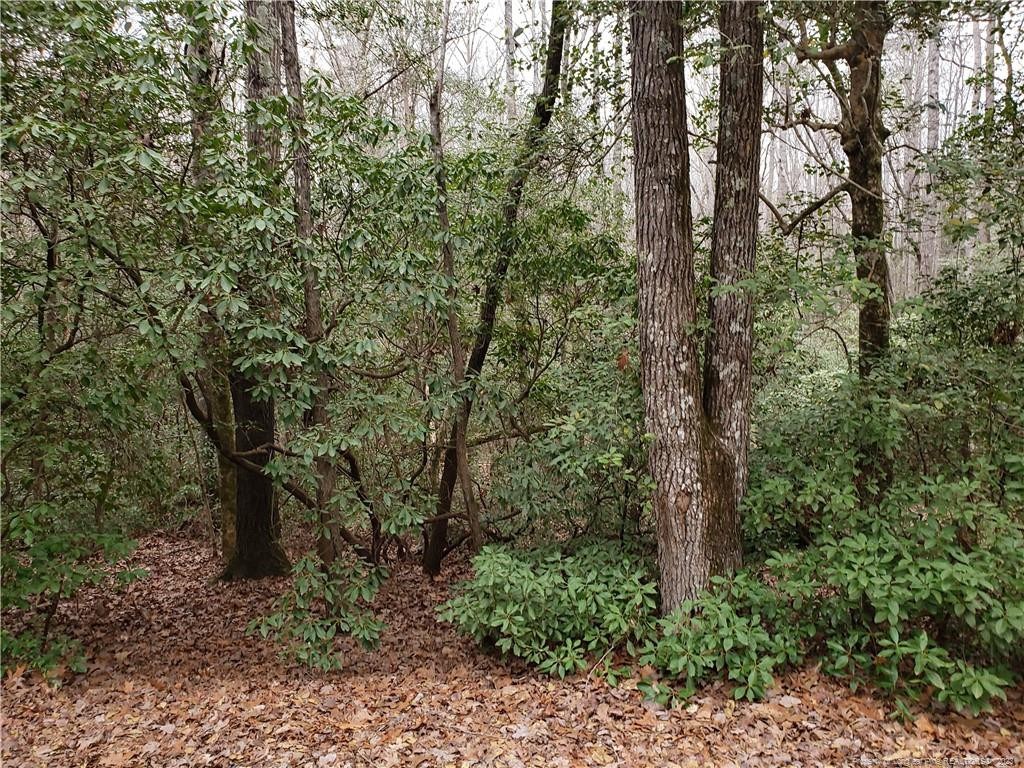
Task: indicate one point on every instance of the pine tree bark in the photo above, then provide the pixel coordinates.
(693, 475)
(258, 551)
(436, 540)
(729, 350)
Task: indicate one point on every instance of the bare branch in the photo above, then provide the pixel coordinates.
(788, 226)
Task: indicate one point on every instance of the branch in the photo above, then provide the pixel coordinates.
(835, 53)
(787, 227)
(814, 125)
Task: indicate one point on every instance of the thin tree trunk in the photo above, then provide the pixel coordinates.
(217, 385)
(727, 384)
(863, 135)
(436, 544)
(326, 473)
(694, 489)
(448, 266)
(218, 388)
(990, 64)
(931, 247)
(510, 64)
(979, 67)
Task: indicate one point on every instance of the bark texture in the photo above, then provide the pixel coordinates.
(436, 543)
(258, 550)
(693, 475)
(863, 136)
(729, 349)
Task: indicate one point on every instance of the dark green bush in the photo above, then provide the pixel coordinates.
(553, 609)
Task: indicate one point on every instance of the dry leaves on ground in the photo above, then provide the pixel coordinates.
(174, 681)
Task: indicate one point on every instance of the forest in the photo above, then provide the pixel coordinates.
(512, 382)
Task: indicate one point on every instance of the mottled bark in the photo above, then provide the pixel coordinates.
(436, 543)
(693, 475)
(729, 349)
(217, 384)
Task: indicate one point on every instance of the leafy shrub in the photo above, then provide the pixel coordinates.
(323, 605)
(740, 629)
(944, 404)
(926, 601)
(41, 568)
(552, 609)
(933, 597)
(908, 577)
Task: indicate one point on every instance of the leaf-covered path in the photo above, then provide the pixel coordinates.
(174, 681)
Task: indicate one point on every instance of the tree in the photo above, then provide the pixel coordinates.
(326, 473)
(729, 350)
(217, 382)
(931, 239)
(862, 135)
(436, 546)
(693, 474)
(258, 549)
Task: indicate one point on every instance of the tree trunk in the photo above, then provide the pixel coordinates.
(931, 247)
(990, 62)
(221, 409)
(258, 550)
(727, 385)
(693, 475)
(326, 474)
(979, 66)
(436, 543)
(510, 65)
(452, 316)
(862, 137)
(217, 385)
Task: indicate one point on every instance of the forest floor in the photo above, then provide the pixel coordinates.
(173, 680)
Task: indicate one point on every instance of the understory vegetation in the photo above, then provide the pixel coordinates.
(298, 280)
(919, 593)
